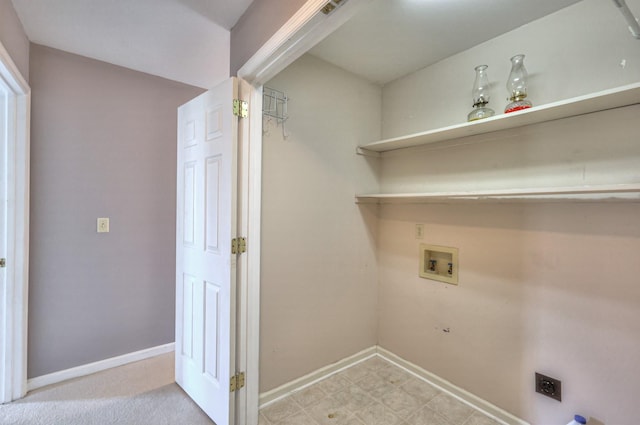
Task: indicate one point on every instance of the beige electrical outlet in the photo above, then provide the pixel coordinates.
(439, 263)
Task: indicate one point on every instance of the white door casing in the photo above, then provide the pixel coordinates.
(205, 266)
(5, 330)
(14, 236)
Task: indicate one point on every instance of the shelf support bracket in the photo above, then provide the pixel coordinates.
(632, 22)
(367, 152)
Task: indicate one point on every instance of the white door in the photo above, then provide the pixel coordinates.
(205, 266)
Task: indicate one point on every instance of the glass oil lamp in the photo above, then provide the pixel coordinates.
(480, 95)
(517, 85)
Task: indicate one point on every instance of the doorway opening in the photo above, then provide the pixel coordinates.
(303, 30)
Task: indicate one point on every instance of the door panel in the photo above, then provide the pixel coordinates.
(189, 206)
(213, 168)
(205, 267)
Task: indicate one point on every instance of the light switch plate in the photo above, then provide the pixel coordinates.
(103, 225)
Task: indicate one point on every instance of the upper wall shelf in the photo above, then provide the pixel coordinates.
(595, 193)
(600, 101)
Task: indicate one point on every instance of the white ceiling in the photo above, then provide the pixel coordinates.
(392, 38)
(182, 40)
(188, 40)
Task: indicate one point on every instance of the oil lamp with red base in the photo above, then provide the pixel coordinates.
(517, 86)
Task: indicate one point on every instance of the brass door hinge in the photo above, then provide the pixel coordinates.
(238, 245)
(237, 382)
(240, 108)
(330, 6)
(3, 262)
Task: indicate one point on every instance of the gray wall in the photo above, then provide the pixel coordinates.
(257, 25)
(103, 145)
(13, 37)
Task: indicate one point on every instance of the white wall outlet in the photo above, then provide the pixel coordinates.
(103, 225)
(419, 231)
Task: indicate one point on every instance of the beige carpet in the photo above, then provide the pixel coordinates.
(141, 393)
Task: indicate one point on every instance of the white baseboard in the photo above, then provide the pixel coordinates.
(445, 386)
(88, 369)
(276, 394)
(465, 396)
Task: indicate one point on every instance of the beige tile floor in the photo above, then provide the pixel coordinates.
(373, 392)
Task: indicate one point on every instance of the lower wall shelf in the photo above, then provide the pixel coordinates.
(595, 193)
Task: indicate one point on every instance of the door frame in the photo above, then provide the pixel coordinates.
(13, 369)
(303, 30)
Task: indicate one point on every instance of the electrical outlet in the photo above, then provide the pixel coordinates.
(103, 225)
(548, 386)
(419, 231)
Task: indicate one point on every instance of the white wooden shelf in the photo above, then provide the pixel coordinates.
(600, 101)
(599, 193)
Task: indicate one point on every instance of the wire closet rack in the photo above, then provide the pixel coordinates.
(274, 108)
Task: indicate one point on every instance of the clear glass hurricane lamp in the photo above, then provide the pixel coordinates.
(480, 95)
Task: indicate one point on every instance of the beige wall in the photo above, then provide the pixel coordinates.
(575, 51)
(102, 145)
(13, 37)
(543, 287)
(261, 21)
(547, 287)
(319, 280)
(551, 288)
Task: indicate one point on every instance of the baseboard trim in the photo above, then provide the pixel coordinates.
(445, 386)
(282, 391)
(88, 369)
(465, 396)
